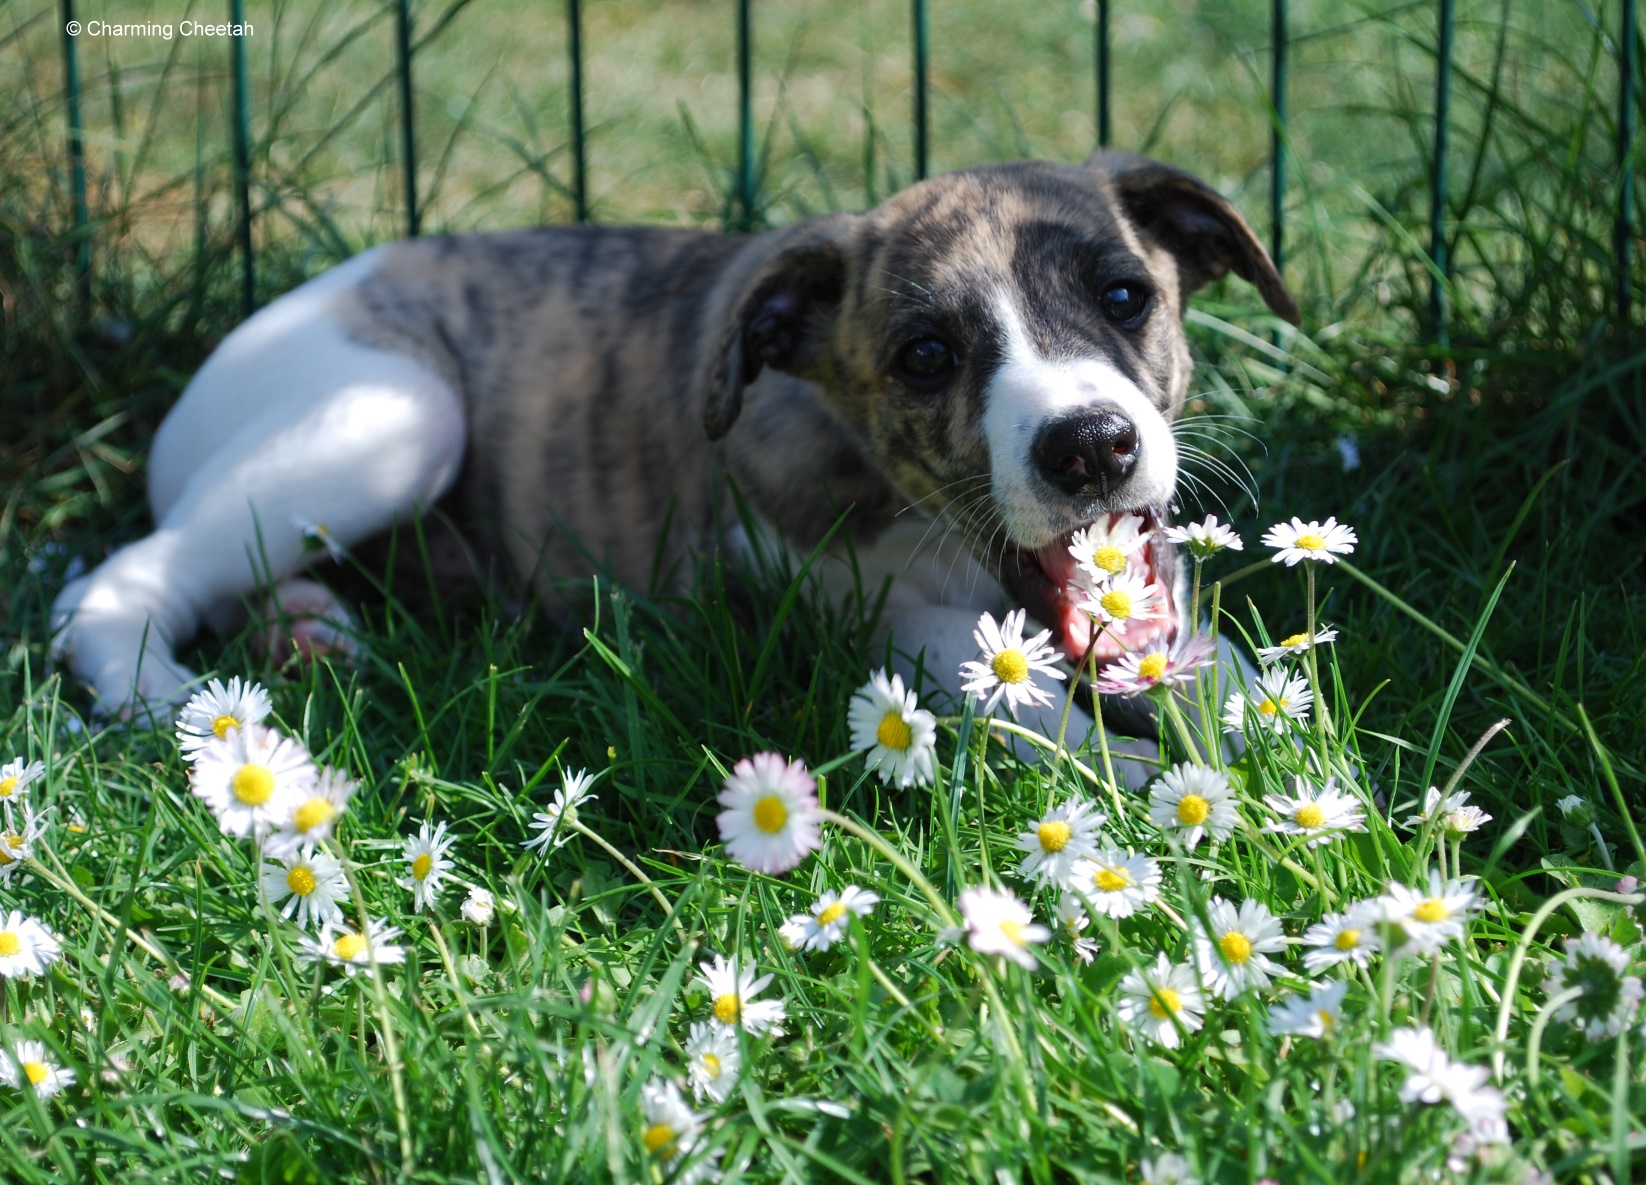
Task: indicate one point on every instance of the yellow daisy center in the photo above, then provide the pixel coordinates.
(8, 786)
(12, 844)
(728, 1007)
(1310, 543)
(1346, 939)
(1010, 666)
(894, 732)
(1152, 666)
(1054, 835)
(421, 865)
(37, 1072)
(1326, 1019)
(1236, 947)
(1109, 559)
(252, 784)
(1431, 910)
(770, 814)
(831, 915)
(1295, 640)
(312, 814)
(1111, 881)
(1013, 931)
(300, 880)
(1192, 810)
(1268, 707)
(10, 943)
(220, 727)
(1117, 603)
(659, 1140)
(1164, 1002)
(349, 946)
(1310, 815)
(711, 1065)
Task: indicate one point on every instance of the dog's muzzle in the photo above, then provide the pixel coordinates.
(1087, 455)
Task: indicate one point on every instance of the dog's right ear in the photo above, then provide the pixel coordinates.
(783, 317)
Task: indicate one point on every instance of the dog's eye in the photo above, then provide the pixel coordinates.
(1125, 303)
(925, 362)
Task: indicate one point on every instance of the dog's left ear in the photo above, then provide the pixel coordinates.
(783, 317)
(1196, 224)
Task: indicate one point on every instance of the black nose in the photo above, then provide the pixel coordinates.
(1089, 453)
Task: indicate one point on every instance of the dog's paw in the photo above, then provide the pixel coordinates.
(302, 621)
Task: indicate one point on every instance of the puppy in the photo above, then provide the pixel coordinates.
(977, 368)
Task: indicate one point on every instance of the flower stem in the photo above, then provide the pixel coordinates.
(1194, 600)
(878, 842)
(1534, 1039)
(657, 894)
(1322, 723)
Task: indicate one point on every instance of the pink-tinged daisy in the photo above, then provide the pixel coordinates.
(1321, 815)
(1009, 664)
(1190, 802)
(553, 826)
(1234, 954)
(732, 990)
(1205, 539)
(252, 779)
(1155, 1001)
(1315, 1015)
(771, 816)
(1296, 541)
(1104, 549)
(217, 710)
(997, 923)
(30, 1065)
(825, 924)
(900, 736)
(344, 946)
(1157, 665)
(1115, 883)
(1347, 937)
(1431, 916)
(15, 777)
(313, 819)
(426, 864)
(1294, 644)
(27, 948)
(1066, 834)
(1608, 999)
(1276, 700)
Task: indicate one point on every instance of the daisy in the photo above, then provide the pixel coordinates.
(1294, 644)
(997, 923)
(1417, 1050)
(1154, 1001)
(1119, 602)
(1298, 540)
(27, 948)
(252, 779)
(1192, 801)
(900, 736)
(1206, 539)
(1009, 664)
(573, 793)
(426, 864)
(1321, 815)
(1275, 699)
(713, 1061)
(17, 841)
(771, 816)
(1430, 918)
(1071, 920)
(1065, 835)
(1234, 956)
(1116, 884)
(1347, 937)
(732, 991)
(672, 1131)
(1594, 966)
(1156, 665)
(1314, 1015)
(313, 819)
(310, 883)
(15, 777)
(31, 1064)
(1103, 551)
(218, 710)
(351, 950)
(478, 906)
(1167, 1169)
(1575, 805)
(825, 925)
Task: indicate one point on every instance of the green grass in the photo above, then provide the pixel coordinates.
(524, 1060)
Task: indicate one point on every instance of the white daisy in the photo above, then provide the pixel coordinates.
(1155, 1000)
(1271, 703)
(771, 816)
(672, 1131)
(1065, 835)
(17, 840)
(1595, 966)
(825, 925)
(1575, 809)
(15, 777)
(218, 710)
(713, 1060)
(1321, 815)
(1464, 821)
(310, 883)
(1430, 916)
(1116, 884)
(1009, 664)
(1071, 920)
(426, 864)
(318, 535)
(1193, 801)
(1234, 956)
(573, 793)
(1436, 804)
(1119, 602)
(31, 1064)
(1104, 549)
(1315, 1015)
(252, 779)
(1205, 539)
(1417, 1050)
(313, 819)
(1298, 540)
(732, 991)
(1347, 937)
(27, 948)
(900, 736)
(1156, 665)
(997, 923)
(1167, 1169)
(348, 948)
(479, 906)
(1294, 644)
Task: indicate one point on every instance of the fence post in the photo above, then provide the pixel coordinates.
(77, 167)
(1105, 130)
(745, 116)
(580, 185)
(921, 126)
(1277, 173)
(408, 130)
(1437, 178)
(242, 161)
(1625, 145)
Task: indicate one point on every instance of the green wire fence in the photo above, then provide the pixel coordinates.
(745, 214)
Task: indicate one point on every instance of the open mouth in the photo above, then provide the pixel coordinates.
(1043, 582)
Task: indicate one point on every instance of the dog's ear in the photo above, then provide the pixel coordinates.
(1196, 224)
(782, 317)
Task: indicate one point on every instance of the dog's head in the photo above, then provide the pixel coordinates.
(1008, 342)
